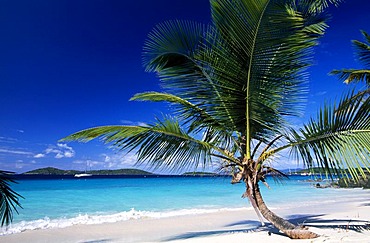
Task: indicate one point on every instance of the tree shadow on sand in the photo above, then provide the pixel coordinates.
(97, 241)
(245, 226)
(250, 226)
(356, 225)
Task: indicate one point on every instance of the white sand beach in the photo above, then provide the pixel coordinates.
(347, 221)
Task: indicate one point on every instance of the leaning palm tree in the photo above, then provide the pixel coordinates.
(363, 54)
(8, 198)
(234, 86)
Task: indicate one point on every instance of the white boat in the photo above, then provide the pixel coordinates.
(82, 175)
(306, 174)
(85, 174)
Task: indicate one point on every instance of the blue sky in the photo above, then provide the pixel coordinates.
(66, 65)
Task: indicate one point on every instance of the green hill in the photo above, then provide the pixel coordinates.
(55, 171)
(120, 172)
(200, 174)
(51, 171)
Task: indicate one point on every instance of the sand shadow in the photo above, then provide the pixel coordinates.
(245, 226)
(96, 241)
(249, 226)
(356, 225)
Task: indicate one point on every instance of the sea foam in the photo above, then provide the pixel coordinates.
(47, 223)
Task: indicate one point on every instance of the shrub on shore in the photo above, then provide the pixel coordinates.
(351, 183)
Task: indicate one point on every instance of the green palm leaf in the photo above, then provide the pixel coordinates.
(8, 198)
(363, 54)
(255, 52)
(186, 110)
(353, 75)
(363, 49)
(195, 118)
(338, 138)
(164, 144)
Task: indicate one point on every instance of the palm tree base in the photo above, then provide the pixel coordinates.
(301, 234)
(292, 231)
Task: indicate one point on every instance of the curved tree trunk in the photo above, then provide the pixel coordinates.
(283, 225)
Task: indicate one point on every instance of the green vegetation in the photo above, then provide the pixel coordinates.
(331, 171)
(8, 198)
(55, 171)
(51, 171)
(361, 182)
(235, 86)
(200, 174)
(120, 172)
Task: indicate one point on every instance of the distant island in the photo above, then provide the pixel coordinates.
(200, 174)
(51, 171)
(55, 171)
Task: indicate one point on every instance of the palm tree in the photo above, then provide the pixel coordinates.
(8, 198)
(363, 54)
(233, 86)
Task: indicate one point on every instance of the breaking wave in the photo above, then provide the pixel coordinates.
(47, 223)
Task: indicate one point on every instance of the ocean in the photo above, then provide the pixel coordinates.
(57, 202)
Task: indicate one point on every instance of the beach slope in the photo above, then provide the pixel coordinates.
(347, 221)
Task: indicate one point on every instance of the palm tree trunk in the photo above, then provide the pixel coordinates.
(283, 225)
(249, 194)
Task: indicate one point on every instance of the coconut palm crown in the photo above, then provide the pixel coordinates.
(363, 54)
(234, 87)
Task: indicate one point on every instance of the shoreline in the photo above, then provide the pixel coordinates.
(345, 221)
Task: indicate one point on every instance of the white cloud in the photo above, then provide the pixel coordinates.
(19, 164)
(321, 93)
(51, 150)
(19, 152)
(127, 122)
(37, 156)
(8, 140)
(88, 164)
(58, 156)
(61, 151)
(79, 162)
(106, 157)
(132, 123)
(108, 161)
(119, 161)
(63, 145)
(69, 154)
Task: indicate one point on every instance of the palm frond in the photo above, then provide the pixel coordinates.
(172, 50)
(187, 111)
(317, 6)
(164, 144)
(195, 118)
(338, 138)
(170, 40)
(255, 52)
(363, 49)
(353, 75)
(363, 54)
(277, 175)
(271, 41)
(8, 198)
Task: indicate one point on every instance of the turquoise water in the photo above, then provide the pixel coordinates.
(61, 202)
